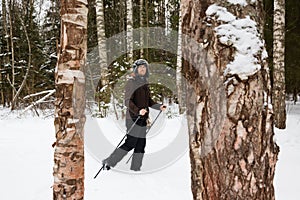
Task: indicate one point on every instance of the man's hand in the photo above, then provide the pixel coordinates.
(143, 112)
(163, 107)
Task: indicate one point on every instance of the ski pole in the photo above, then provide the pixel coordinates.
(120, 143)
(146, 133)
(128, 131)
(99, 171)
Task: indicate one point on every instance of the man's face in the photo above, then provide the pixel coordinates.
(142, 69)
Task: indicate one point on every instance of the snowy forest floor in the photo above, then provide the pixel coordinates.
(27, 160)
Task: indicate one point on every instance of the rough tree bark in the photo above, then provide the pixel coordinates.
(232, 152)
(278, 98)
(70, 102)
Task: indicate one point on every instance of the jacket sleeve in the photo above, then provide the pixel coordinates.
(129, 103)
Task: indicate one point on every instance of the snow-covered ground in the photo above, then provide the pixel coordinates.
(27, 159)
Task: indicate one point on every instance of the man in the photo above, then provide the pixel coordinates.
(137, 101)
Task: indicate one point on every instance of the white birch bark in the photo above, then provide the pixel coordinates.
(179, 66)
(129, 30)
(68, 170)
(278, 64)
(167, 17)
(101, 42)
(141, 25)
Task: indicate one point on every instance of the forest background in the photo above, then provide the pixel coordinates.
(30, 37)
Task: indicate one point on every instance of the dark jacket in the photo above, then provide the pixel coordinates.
(137, 97)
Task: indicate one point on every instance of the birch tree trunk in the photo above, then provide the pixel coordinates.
(278, 64)
(70, 102)
(102, 42)
(129, 30)
(179, 66)
(232, 152)
(141, 25)
(103, 90)
(167, 17)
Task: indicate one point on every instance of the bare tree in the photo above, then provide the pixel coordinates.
(278, 98)
(14, 100)
(232, 151)
(70, 102)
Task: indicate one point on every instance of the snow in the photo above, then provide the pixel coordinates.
(220, 12)
(287, 174)
(238, 2)
(27, 162)
(242, 34)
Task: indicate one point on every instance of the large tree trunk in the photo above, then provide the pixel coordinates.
(232, 151)
(70, 102)
(278, 98)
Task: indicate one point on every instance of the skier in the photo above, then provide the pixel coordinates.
(137, 101)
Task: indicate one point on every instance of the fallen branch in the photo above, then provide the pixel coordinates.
(39, 101)
(37, 94)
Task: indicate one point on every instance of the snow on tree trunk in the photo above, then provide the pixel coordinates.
(232, 152)
(70, 102)
(278, 98)
(129, 30)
